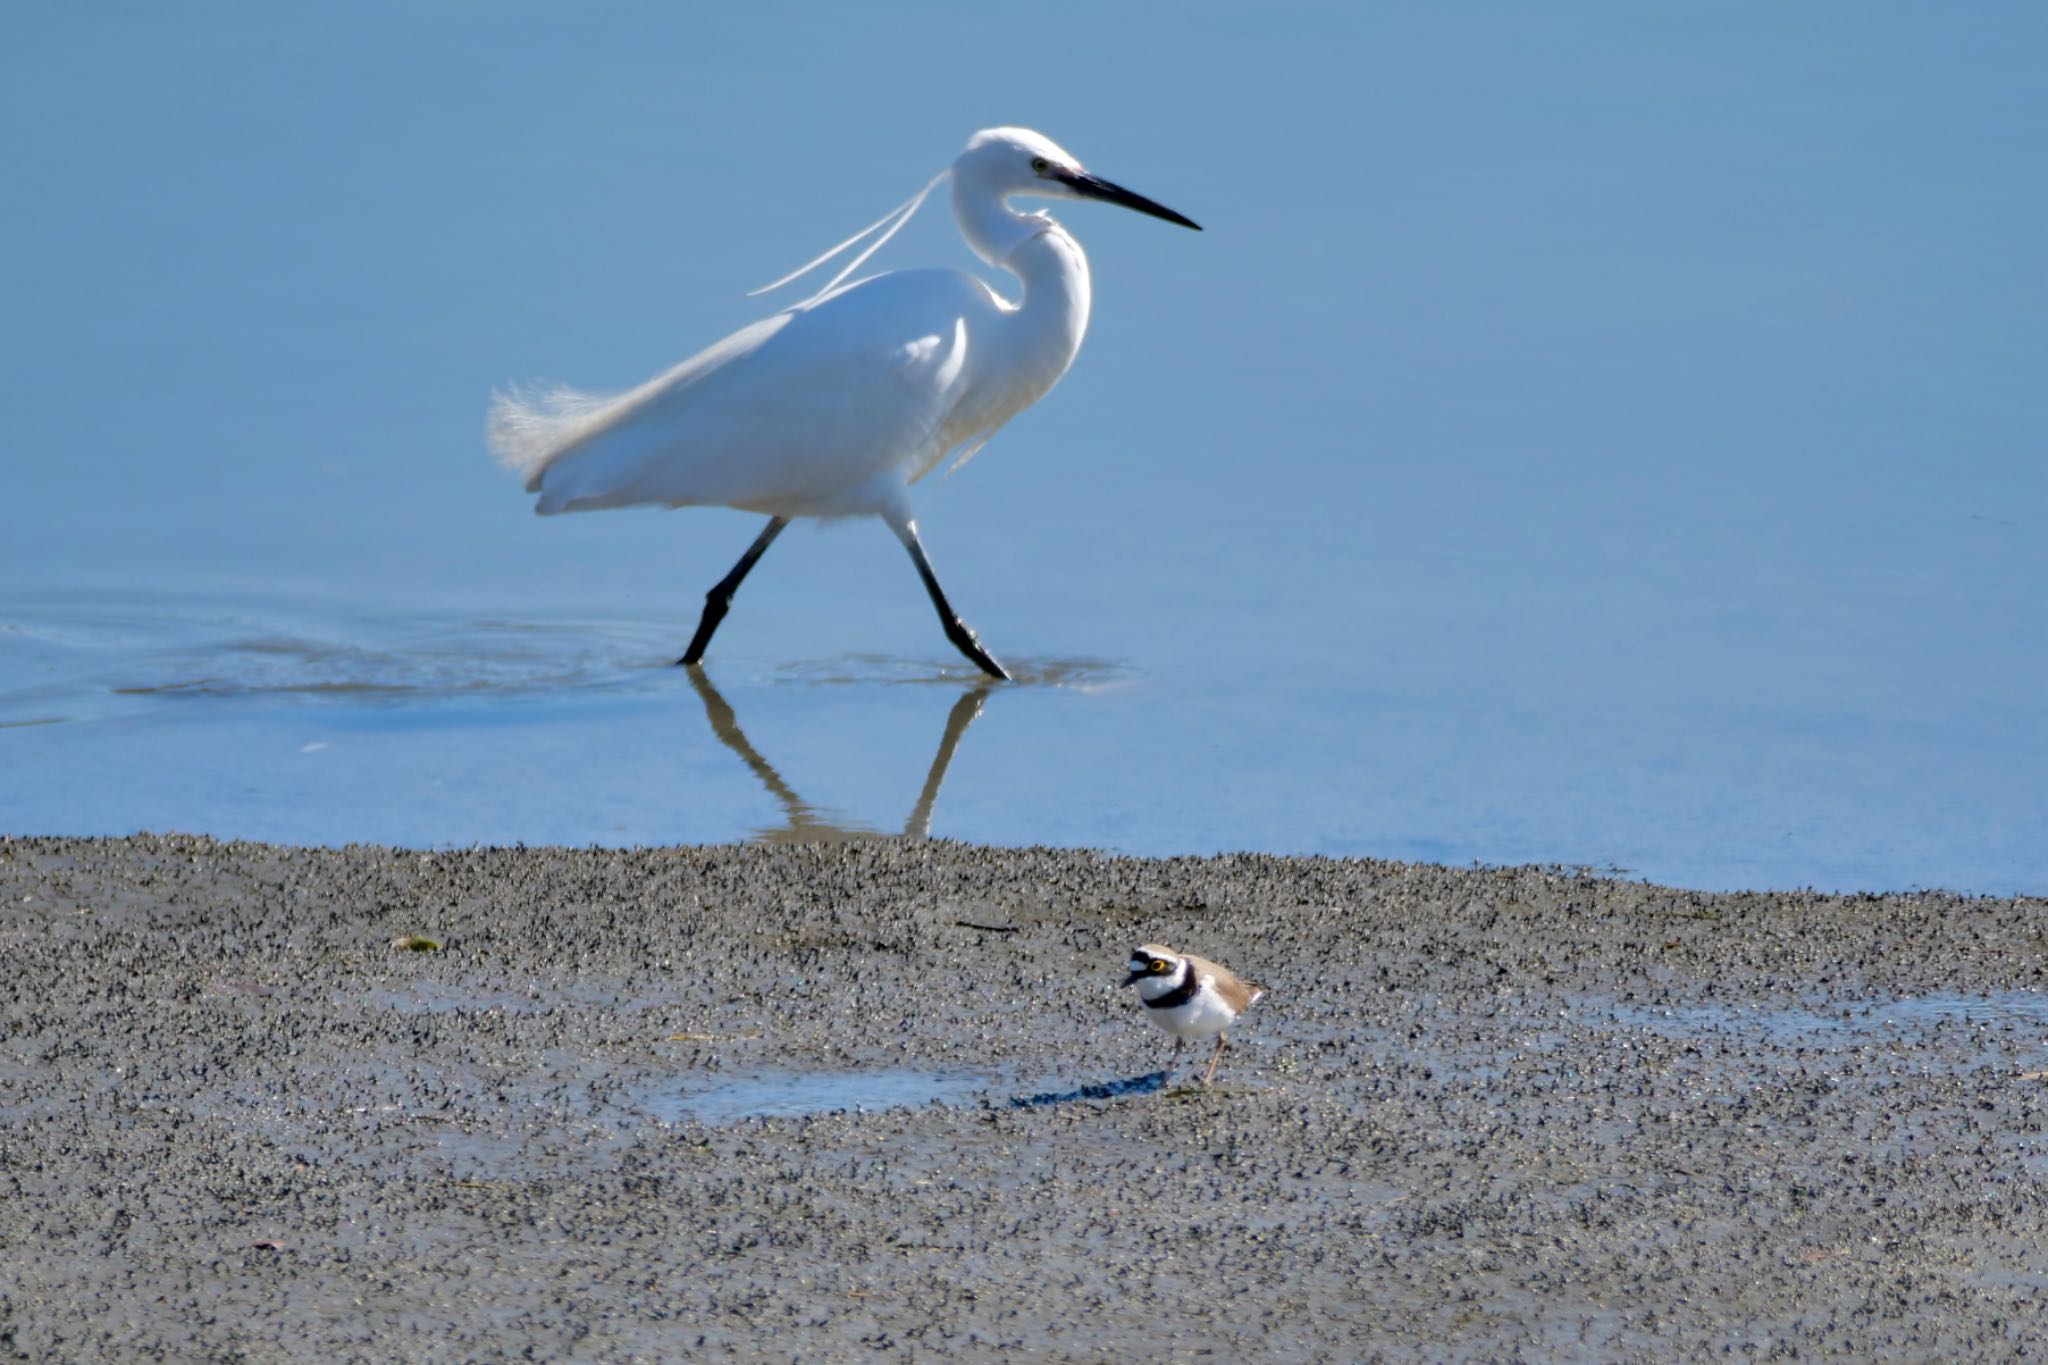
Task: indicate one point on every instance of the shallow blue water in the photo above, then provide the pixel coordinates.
(791, 1093)
(1610, 438)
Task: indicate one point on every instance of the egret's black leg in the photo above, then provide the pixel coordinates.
(719, 600)
(964, 639)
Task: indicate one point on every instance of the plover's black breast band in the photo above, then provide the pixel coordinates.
(1179, 995)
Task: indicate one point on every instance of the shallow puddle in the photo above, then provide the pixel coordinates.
(787, 1094)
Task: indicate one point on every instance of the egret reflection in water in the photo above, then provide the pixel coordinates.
(806, 823)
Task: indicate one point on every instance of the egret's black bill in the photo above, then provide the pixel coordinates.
(1095, 187)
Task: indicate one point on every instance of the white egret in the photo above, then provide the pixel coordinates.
(834, 407)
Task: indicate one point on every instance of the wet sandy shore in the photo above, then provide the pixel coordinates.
(1482, 1114)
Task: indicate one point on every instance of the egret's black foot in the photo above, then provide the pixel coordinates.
(968, 643)
(715, 609)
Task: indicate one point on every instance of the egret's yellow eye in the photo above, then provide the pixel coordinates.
(1039, 164)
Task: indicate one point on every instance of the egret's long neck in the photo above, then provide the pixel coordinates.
(1051, 318)
(990, 225)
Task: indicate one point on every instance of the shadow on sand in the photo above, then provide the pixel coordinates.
(1148, 1084)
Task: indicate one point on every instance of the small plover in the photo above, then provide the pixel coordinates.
(1189, 997)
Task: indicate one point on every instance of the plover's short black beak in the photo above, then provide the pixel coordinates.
(1134, 978)
(1095, 187)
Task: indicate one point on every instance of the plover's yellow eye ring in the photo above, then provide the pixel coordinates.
(1158, 966)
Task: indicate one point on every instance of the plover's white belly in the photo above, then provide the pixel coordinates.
(1205, 1016)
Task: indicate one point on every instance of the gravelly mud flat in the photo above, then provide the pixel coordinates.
(1482, 1114)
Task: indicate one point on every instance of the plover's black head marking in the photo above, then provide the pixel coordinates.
(1151, 960)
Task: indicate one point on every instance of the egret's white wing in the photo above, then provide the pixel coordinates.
(789, 416)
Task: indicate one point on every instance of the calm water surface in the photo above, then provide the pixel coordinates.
(1610, 438)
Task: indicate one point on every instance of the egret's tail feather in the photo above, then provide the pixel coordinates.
(529, 428)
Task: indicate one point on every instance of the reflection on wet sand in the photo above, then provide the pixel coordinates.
(806, 823)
